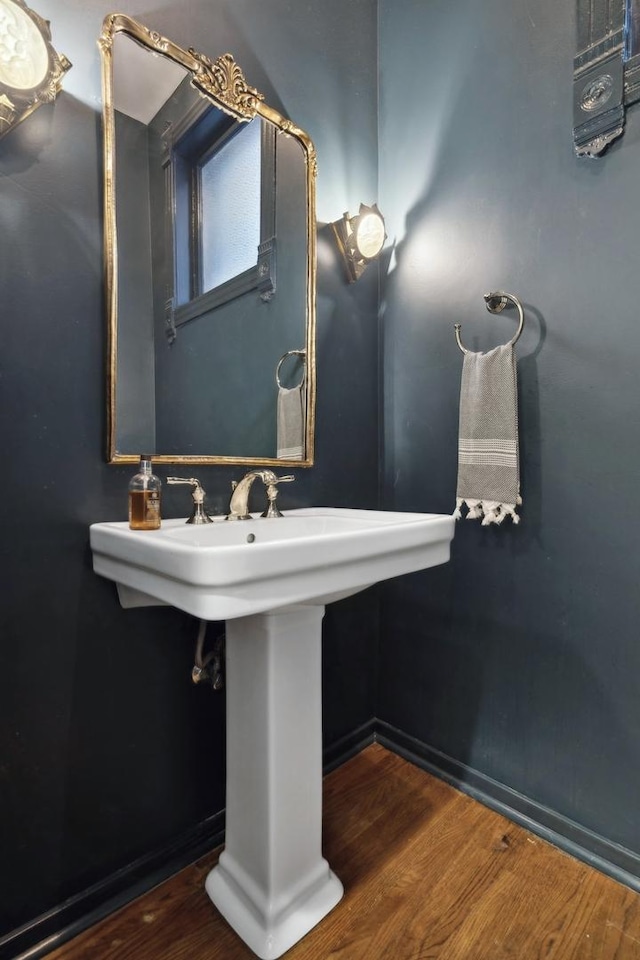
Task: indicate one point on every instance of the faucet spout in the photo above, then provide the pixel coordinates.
(239, 504)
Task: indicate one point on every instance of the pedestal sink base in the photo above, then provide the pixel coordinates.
(272, 883)
(271, 936)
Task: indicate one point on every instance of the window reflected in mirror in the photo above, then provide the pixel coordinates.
(213, 176)
(228, 181)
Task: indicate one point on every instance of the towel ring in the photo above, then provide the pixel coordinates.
(285, 356)
(496, 302)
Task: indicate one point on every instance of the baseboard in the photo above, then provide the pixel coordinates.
(62, 923)
(611, 859)
(348, 746)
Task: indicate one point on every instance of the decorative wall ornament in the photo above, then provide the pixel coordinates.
(224, 80)
(31, 71)
(606, 79)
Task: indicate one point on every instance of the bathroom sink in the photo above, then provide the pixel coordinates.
(270, 579)
(224, 570)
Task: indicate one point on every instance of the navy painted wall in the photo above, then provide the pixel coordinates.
(521, 657)
(107, 751)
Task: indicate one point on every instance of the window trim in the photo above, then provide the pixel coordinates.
(261, 276)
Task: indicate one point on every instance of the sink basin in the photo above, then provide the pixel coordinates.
(270, 580)
(224, 570)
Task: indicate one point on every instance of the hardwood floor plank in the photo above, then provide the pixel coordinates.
(429, 874)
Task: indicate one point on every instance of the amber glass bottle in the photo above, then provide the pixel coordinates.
(144, 498)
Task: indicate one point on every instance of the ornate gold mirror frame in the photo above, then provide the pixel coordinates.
(222, 82)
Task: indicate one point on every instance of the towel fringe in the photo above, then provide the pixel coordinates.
(489, 511)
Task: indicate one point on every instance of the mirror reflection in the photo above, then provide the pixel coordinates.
(210, 255)
(633, 28)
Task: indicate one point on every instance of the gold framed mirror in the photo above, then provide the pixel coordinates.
(210, 260)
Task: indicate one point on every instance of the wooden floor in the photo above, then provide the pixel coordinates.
(428, 873)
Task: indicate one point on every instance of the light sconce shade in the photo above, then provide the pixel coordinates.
(360, 239)
(31, 71)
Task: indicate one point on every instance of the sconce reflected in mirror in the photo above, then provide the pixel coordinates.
(31, 71)
(360, 239)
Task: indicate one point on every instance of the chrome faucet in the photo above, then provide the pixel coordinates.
(239, 505)
(198, 494)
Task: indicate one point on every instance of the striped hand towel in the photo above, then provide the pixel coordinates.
(291, 422)
(488, 470)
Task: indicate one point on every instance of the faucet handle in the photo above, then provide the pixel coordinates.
(272, 493)
(198, 494)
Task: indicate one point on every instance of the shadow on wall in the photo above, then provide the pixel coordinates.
(432, 283)
(529, 428)
(23, 146)
(456, 684)
(134, 708)
(129, 706)
(347, 396)
(48, 215)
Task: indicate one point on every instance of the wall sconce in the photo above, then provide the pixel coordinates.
(360, 239)
(31, 71)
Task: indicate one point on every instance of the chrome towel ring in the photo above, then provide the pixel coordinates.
(496, 302)
(285, 356)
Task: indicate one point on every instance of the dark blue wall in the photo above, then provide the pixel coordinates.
(107, 751)
(520, 659)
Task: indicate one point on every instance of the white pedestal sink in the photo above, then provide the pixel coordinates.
(270, 580)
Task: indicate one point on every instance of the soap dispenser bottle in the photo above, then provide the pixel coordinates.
(144, 497)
